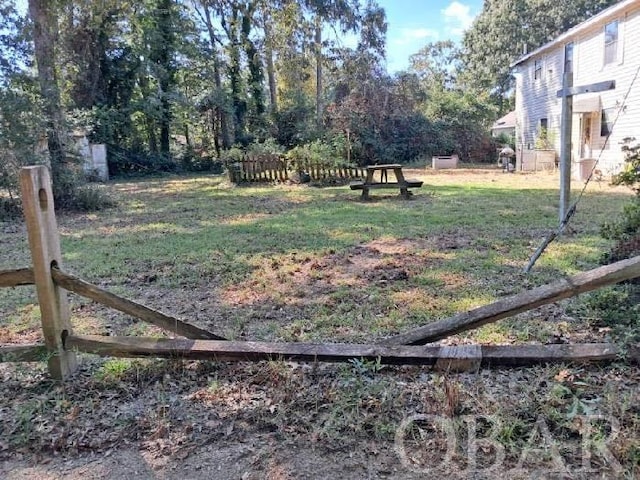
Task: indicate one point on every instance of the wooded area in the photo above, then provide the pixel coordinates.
(173, 84)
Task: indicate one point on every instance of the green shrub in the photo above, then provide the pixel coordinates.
(90, 198)
(617, 308)
(268, 147)
(331, 152)
(545, 139)
(192, 160)
(10, 208)
(627, 226)
(132, 162)
(294, 123)
(20, 125)
(505, 140)
(630, 175)
(625, 230)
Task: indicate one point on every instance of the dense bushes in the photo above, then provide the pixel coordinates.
(18, 144)
(398, 138)
(625, 231)
(129, 162)
(618, 307)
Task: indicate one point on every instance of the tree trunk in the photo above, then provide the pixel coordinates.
(165, 125)
(187, 135)
(256, 74)
(235, 75)
(271, 74)
(166, 76)
(45, 25)
(221, 114)
(151, 134)
(149, 121)
(214, 117)
(318, 41)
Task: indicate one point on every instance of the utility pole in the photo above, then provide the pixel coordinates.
(566, 127)
(567, 93)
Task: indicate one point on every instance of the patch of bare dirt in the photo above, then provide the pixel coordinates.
(451, 241)
(260, 458)
(13, 335)
(291, 287)
(310, 279)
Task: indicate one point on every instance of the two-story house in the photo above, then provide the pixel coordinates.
(605, 47)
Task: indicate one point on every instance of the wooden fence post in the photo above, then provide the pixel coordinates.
(44, 242)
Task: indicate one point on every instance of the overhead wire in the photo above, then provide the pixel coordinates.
(574, 206)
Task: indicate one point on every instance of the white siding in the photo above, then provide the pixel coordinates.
(536, 99)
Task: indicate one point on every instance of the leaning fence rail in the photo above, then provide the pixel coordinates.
(76, 285)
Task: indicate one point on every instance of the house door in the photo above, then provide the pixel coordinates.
(585, 135)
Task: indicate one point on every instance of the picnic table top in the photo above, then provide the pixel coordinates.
(384, 167)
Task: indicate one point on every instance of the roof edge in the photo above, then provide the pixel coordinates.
(612, 11)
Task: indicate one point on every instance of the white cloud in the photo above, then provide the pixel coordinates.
(406, 41)
(409, 36)
(458, 16)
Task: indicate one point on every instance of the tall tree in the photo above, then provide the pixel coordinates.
(230, 15)
(506, 29)
(436, 64)
(20, 118)
(256, 73)
(44, 17)
(341, 14)
(267, 20)
(161, 38)
(215, 102)
(14, 50)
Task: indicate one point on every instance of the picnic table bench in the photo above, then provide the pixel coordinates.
(400, 182)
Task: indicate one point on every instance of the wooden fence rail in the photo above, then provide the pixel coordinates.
(76, 285)
(270, 168)
(16, 278)
(522, 302)
(511, 355)
(323, 170)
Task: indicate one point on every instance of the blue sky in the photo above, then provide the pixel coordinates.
(414, 23)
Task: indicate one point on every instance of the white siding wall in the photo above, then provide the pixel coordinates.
(536, 99)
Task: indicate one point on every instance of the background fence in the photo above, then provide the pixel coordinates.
(275, 168)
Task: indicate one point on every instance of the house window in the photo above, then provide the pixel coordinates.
(606, 122)
(537, 69)
(611, 42)
(544, 125)
(542, 137)
(568, 58)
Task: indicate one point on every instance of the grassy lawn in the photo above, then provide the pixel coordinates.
(301, 263)
(305, 263)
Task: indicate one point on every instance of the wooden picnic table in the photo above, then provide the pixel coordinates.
(400, 182)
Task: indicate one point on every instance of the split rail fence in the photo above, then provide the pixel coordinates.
(61, 345)
(275, 168)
